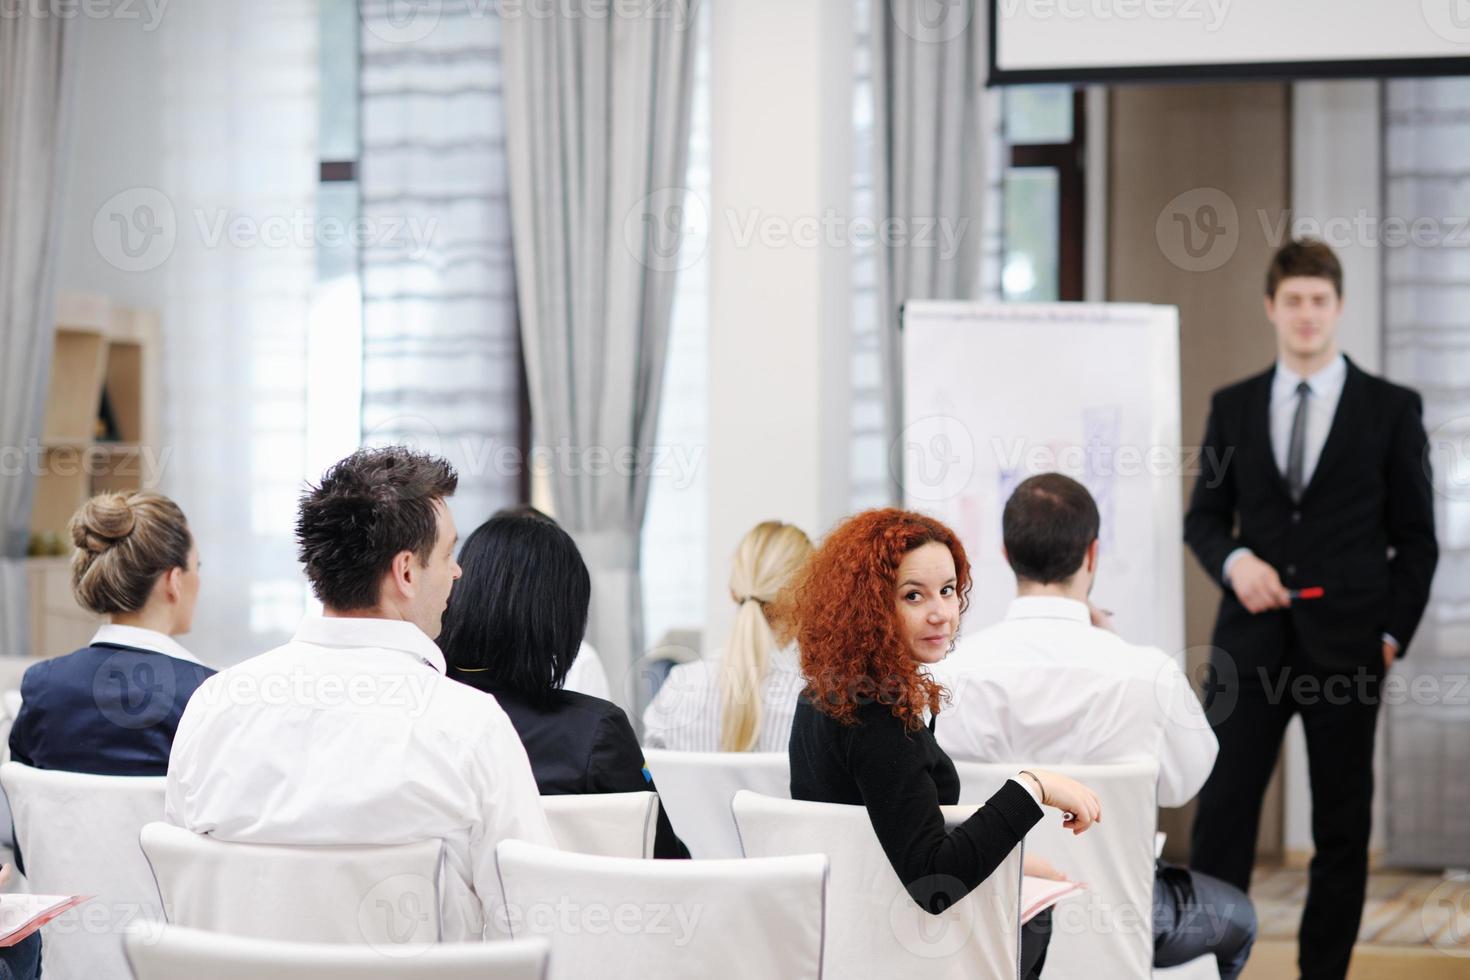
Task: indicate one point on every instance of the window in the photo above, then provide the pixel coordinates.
(1044, 128)
(674, 528)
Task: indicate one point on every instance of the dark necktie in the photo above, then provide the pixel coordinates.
(1297, 447)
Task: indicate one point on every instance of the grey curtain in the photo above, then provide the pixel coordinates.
(597, 125)
(36, 78)
(928, 171)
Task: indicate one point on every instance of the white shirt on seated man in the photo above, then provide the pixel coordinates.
(351, 733)
(1053, 684)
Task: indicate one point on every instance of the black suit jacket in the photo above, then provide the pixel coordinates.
(1363, 530)
(580, 744)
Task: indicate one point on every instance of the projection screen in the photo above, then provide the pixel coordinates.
(1161, 40)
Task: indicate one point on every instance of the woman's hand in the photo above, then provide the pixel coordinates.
(1079, 804)
(1039, 867)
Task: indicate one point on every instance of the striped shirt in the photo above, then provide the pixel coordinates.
(686, 714)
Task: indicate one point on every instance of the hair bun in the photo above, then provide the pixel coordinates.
(103, 521)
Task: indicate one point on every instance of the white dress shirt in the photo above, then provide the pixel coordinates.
(588, 675)
(1046, 686)
(687, 713)
(351, 734)
(139, 638)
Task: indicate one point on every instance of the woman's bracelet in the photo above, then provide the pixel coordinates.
(1040, 788)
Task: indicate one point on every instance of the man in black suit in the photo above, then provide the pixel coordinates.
(1327, 488)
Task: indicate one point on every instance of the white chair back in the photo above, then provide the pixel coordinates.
(695, 790)
(384, 895)
(78, 835)
(607, 824)
(1107, 931)
(874, 928)
(177, 953)
(626, 919)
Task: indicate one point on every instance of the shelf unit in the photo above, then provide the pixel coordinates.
(100, 348)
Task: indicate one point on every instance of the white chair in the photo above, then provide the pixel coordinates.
(386, 895)
(874, 928)
(10, 702)
(608, 824)
(628, 919)
(1107, 931)
(78, 835)
(695, 790)
(177, 953)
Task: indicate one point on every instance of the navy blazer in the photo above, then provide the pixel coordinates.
(580, 744)
(106, 709)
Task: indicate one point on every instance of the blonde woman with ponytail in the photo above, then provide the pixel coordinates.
(112, 707)
(745, 700)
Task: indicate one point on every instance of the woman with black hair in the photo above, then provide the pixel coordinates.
(513, 628)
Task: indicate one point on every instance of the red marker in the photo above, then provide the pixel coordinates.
(1315, 592)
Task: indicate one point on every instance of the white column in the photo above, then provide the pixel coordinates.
(780, 274)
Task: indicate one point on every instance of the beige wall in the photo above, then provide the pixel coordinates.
(1212, 161)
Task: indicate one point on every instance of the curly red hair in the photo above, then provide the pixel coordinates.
(841, 610)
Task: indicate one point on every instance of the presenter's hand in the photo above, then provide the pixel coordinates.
(1390, 654)
(1257, 585)
(1079, 804)
(1101, 618)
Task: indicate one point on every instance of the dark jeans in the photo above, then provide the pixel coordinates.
(1195, 915)
(1035, 936)
(23, 960)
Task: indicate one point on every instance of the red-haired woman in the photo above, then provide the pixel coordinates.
(881, 598)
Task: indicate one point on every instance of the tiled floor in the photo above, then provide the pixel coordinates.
(1414, 925)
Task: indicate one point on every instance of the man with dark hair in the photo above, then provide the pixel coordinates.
(1053, 684)
(350, 733)
(1321, 535)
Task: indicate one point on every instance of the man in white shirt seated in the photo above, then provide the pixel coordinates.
(1053, 684)
(350, 733)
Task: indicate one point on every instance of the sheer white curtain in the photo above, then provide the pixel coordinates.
(237, 123)
(441, 356)
(37, 77)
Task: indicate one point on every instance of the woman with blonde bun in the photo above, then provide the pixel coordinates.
(743, 702)
(112, 707)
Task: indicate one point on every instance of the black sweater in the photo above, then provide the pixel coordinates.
(903, 778)
(580, 744)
